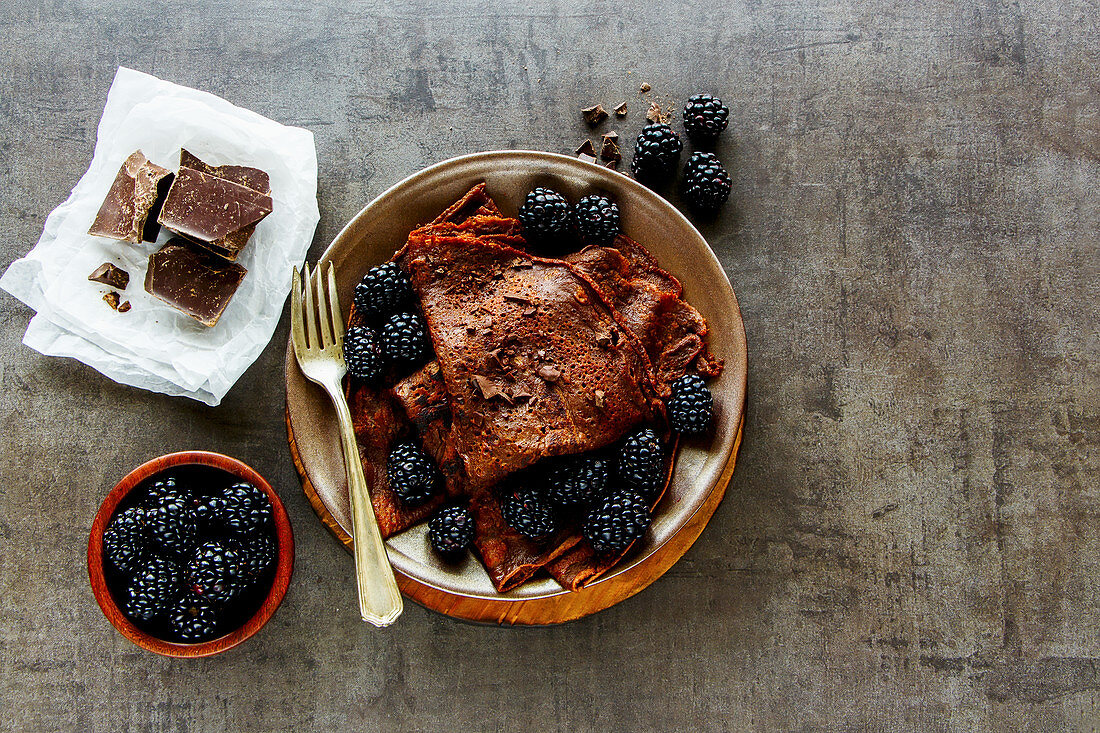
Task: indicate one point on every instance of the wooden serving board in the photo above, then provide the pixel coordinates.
(566, 606)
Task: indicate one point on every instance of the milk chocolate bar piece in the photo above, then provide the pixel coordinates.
(132, 197)
(109, 274)
(215, 212)
(192, 280)
(243, 175)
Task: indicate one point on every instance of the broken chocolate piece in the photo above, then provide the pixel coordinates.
(111, 299)
(654, 114)
(594, 115)
(192, 280)
(109, 274)
(124, 306)
(587, 158)
(586, 148)
(644, 88)
(132, 196)
(488, 389)
(610, 149)
(620, 111)
(152, 227)
(243, 175)
(549, 372)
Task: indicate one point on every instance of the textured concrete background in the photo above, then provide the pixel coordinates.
(910, 540)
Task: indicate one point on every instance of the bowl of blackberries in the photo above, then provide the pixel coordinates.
(190, 554)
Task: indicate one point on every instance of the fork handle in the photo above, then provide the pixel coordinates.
(379, 598)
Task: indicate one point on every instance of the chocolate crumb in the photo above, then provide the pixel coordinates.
(600, 401)
(603, 341)
(111, 275)
(517, 297)
(124, 306)
(644, 88)
(654, 114)
(587, 158)
(111, 299)
(549, 372)
(594, 115)
(586, 148)
(620, 111)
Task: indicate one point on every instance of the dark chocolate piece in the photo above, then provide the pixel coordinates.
(214, 212)
(609, 150)
(242, 175)
(594, 115)
(109, 274)
(133, 195)
(586, 148)
(124, 306)
(192, 280)
(152, 227)
(111, 299)
(620, 111)
(587, 158)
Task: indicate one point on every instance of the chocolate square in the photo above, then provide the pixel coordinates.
(193, 280)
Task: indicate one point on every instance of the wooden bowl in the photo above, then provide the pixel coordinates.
(703, 467)
(283, 569)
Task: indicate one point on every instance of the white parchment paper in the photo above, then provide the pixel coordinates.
(154, 346)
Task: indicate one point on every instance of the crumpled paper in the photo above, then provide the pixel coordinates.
(154, 346)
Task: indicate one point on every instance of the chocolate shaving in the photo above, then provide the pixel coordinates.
(111, 299)
(620, 111)
(549, 372)
(594, 115)
(489, 390)
(520, 393)
(517, 297)
(586, 148)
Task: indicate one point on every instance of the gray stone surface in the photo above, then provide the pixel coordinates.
(910, 540)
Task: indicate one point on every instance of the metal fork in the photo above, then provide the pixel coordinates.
(318, 335)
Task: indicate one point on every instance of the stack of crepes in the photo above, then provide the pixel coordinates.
(535, 358)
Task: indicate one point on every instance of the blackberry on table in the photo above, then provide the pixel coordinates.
(124, 542)
(705, 116)
(597, 219)
(411, 474)
(451, 530)
(171, 522)
(214, 573)
(193, 619)
(706, 183)
(245, 509)
(656, 153)
(619, 520)
(641, 462)
(154, 586)
(690, 406)
(576, 480)
(525, 512)
(545, 214)
(363, 353)
(404, 339)
(383, 291)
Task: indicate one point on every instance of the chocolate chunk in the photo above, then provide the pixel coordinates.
(242, 175)
(587, 158)
(654, 114)
(521, 393)
(549, 372)
(587, 148)
(489, 390)
(124, 306)
(111, 299)
(609, 150)
(594, 115)
(133, 195)
(109, 274)
(620, 111)
(192, 280)
(601, 402)
(644, 88)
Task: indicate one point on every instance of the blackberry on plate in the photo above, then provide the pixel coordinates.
(154, 586)
(690, 406)
(214, 573)
(411, 474)
(576, 480)
(245, 510)
(619, 520)
(124, 542)
(656, 153)
(451, 530)
(705, 116)
(525, 512)
(641, 462)
(193, 620)
(706, 183)
(170, 520)
(259, 555)
(597, 219)
(383, 291)
(363, 353)
(404, 339)
(545, 214)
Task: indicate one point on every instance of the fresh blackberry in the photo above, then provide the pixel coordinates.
(124, 543)
(528, 514)
(705, 116)
(259, 555)
(597, 219)
(170, 520)
(193, 619)
(451, 530)
(363, 353)
(690, 406)
(214, 572)
(706, 183)
(641, 462)
(383, 291)
(404, 339)
(545, 214)
(245, 510)
(411, 473)
(154, 586)
(619, 520)
(656, 153)
(576, 480)
(166, 490)
(211, 512)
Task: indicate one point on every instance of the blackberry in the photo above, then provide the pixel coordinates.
(597, 219)
(619, 520)
(404, 339)
(705, 116)
(641, 462)
(690, 406)
(545, 214)
(245, 510)
(259, 555)
(154, 586)
(576, 480)
(124, 543)
(214, 572)
(166, 490)
(211, 513)
(411, 473)
(656, 153)
(451, 530)
(706, 183)
(363, 353)
(528, 514)
(193, 619)
(170, 520)
(383, 291)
